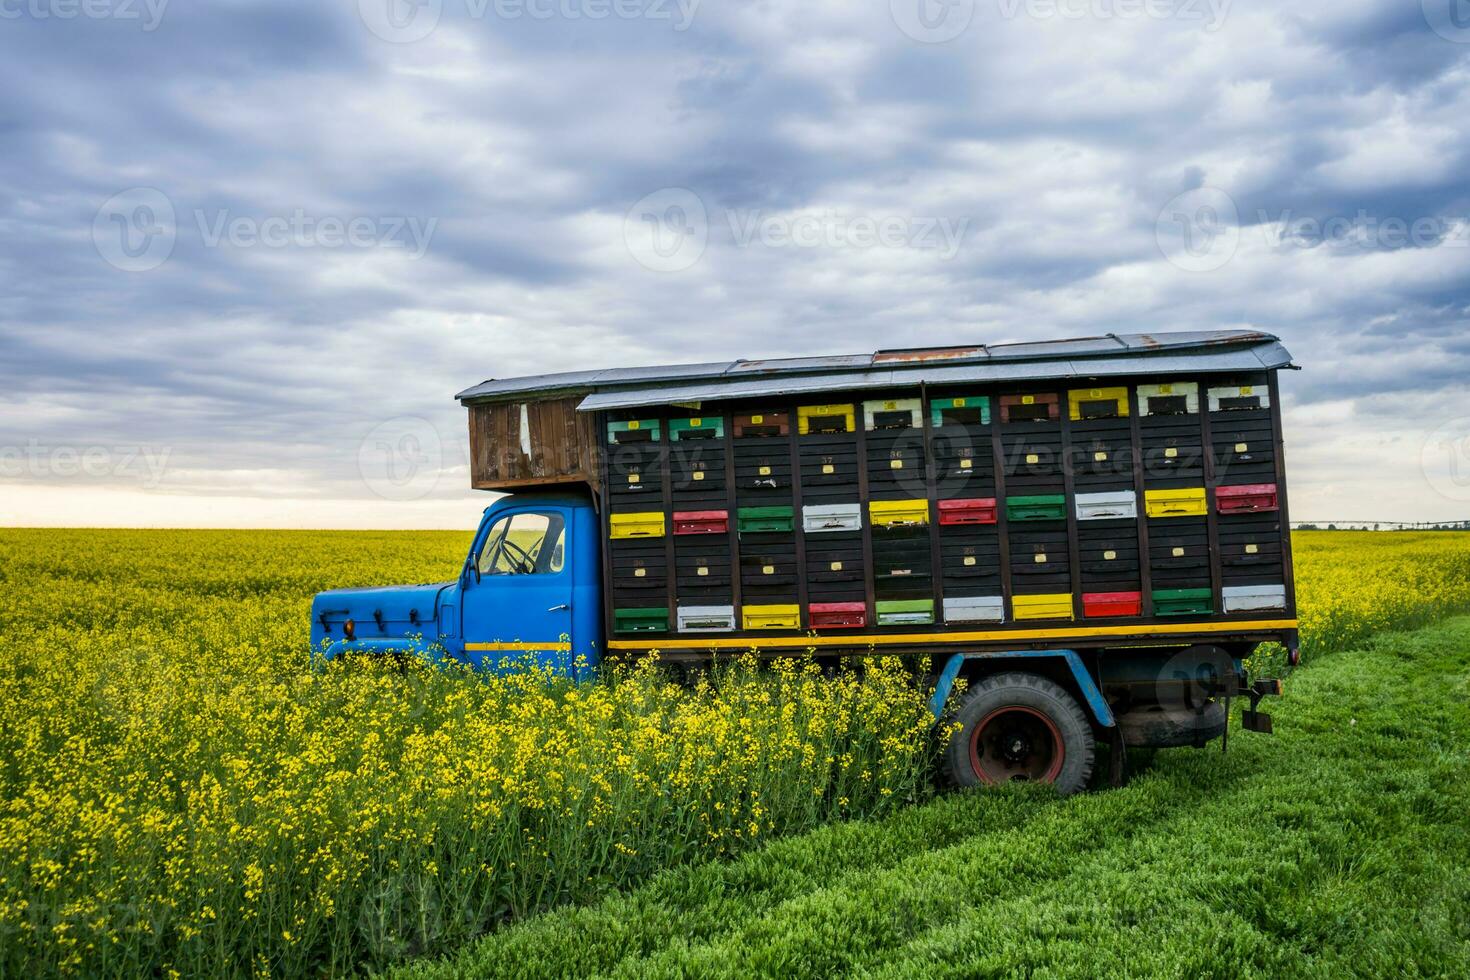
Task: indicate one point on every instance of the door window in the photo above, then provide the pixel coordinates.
(525, 543)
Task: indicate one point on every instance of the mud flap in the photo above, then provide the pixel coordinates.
(1117, 759)
(1251, 719)
(1255, 721)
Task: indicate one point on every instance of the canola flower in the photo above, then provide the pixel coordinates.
(1352, 584)
(181, 793)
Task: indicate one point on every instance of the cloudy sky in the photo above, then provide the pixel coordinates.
(251, 248)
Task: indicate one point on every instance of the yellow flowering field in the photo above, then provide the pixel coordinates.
(183, 792)
(1351, 584)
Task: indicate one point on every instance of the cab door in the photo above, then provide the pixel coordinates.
(518, 590)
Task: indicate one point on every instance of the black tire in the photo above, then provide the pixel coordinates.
(1026, 708)
(1156, 726)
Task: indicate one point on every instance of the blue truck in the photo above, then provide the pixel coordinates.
(1092, 533)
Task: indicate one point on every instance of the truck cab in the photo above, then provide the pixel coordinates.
(529, 589)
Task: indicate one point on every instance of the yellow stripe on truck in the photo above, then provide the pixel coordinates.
(517, 646)
(1142, 631)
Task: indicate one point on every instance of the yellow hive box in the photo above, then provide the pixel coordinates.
(649, 524)
(806, 413)
(774, 617)
(1078, 397)
(1055, 606)
(1189, 502)
(898, 513)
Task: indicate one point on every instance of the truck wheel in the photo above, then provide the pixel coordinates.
(1020, 727)
(1157, 726)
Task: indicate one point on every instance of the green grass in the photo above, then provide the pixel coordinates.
(1340, 845)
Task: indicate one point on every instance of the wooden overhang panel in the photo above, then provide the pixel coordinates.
(532, 443)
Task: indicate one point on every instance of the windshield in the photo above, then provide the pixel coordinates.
(525, 543)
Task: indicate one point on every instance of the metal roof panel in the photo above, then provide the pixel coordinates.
(590, 379)
(1111, 355)
(745, 388)
(1225, 361)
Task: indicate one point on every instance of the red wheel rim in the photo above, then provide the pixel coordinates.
(1016, 743)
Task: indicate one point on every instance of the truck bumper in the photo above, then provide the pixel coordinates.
(383, 647)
